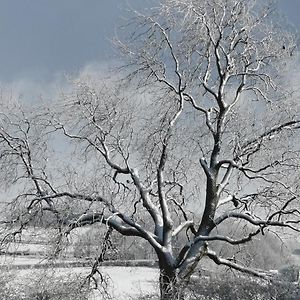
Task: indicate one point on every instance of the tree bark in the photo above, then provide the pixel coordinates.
(170, 285)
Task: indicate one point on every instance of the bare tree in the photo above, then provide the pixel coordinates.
(200, 133)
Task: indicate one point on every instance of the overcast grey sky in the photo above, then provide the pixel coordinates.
(42, 38)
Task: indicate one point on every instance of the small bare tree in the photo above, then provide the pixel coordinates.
(199, 134)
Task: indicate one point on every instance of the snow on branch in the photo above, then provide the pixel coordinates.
(226, 262)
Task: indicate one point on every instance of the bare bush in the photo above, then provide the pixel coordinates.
(43, 285)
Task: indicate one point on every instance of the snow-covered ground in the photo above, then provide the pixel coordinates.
(124, 283)
(129, 282)
(28, 260)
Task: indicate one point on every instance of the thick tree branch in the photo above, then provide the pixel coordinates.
(222, 261)
(259, 222)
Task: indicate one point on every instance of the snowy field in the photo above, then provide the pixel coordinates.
(28, 261)
(125, 283)
(130, 282)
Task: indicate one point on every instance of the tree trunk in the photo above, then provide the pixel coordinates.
(170, 285)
